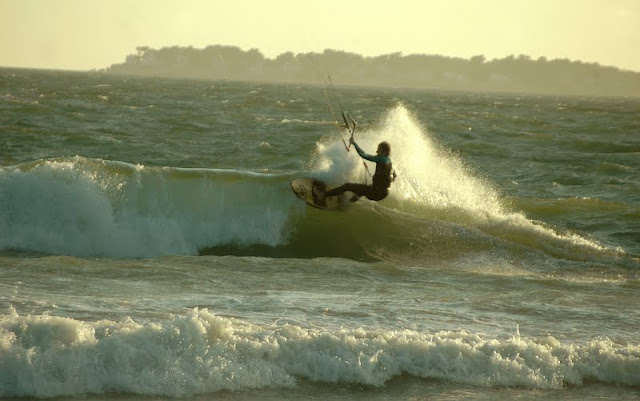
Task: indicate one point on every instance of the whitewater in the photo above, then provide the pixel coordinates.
(150, 243)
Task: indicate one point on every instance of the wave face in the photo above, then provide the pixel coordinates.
(89, 207)
(92, 207)
(199, 352)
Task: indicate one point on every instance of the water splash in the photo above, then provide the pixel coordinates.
(427, 174)
(434, 183)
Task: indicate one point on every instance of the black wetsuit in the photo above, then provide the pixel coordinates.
(379, 189)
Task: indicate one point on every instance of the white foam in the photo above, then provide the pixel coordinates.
(200, 352)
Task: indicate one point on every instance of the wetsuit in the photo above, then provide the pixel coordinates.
(381, 179)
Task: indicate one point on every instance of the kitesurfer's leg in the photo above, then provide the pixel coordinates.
(358, 189)
(377, 194)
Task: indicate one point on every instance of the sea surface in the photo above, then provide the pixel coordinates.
(151, 246)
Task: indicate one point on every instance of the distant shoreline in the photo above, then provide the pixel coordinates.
(513, 74)
(510, 75)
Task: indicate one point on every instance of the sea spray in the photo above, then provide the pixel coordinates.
(428, 174)
(433, 183)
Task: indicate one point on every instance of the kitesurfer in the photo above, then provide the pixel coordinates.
(382, 178)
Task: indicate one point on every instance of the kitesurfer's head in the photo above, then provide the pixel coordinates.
(384, 149)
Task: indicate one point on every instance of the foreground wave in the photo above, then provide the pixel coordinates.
(199, 353)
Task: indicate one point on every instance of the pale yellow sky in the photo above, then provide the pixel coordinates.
(86, 34)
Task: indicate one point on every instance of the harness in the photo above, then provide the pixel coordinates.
(382, 176)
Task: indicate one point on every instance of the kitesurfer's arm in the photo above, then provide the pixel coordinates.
(372, 158)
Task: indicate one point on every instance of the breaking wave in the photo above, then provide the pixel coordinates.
(200, 352)
(92, 207)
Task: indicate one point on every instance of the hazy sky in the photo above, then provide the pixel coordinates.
(86, 34)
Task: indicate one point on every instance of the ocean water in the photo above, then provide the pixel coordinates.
(151, 247)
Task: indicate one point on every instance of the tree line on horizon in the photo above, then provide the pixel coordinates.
(510, 74)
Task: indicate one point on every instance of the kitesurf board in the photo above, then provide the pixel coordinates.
(312, 191)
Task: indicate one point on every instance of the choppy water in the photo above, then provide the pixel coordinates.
(150, 244)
